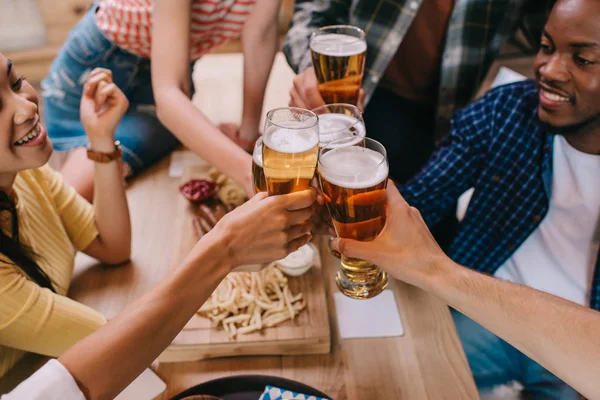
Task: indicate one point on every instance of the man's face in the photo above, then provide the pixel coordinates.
(567, 66)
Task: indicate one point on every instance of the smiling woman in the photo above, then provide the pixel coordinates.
(43, 222)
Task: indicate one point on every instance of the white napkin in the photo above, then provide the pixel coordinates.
(506, 76)
(147, 386)
(376, 317)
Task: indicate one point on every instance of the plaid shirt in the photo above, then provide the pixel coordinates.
(477, 29)
(497, 147)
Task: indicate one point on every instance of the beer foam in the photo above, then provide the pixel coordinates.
(334, 126)
(291, 141)
(337, 45)
(353, 167)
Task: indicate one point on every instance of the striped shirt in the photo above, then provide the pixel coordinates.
(54, 222)
(128, 24)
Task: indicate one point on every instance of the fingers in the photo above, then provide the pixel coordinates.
(394, 196)
(351, 248)
(96, 76)
(305, 92)
(259, 197)
(297, 243)
(299, 230)
(299, 216)
(311, 94)
(298, 200)
(109, 94)
(296, 99)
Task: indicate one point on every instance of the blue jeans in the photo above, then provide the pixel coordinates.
(143, 138)
(495, 362)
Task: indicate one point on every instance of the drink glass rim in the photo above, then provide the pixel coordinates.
(293, 109)
(362, 35)
(347, 105)
(335, 145)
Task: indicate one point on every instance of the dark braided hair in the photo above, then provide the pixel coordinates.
(16, 251)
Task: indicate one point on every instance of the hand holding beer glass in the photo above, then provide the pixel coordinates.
(353, 177)
(338, 56)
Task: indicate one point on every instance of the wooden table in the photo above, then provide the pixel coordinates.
(426, 363)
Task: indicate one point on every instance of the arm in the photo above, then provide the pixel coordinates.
(171, 85)
(103, 230)
(262, 230)
(560, 335)
(260, 44)
(102, 107)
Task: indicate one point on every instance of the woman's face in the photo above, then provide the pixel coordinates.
(24, 143)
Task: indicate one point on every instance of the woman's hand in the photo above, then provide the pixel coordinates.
(102, 107)
(265, 228)
(405, 248)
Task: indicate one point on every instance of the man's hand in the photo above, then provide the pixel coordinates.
(405, 248)
(305, 92)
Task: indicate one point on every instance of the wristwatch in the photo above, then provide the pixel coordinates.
(100, 157)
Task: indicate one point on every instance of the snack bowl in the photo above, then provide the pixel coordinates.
(298, 262)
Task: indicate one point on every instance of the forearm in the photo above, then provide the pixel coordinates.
(198, 133)
(145, 328)
(558, 334)
(259, 52)
(110, 206)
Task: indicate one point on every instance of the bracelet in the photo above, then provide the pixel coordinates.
(103, 158)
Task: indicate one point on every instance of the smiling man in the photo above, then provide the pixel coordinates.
(531, 150)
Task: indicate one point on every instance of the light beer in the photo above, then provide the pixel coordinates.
(353, 180)
(289, 159)
(339, 63)
(258, 174)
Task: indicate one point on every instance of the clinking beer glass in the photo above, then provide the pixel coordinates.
(353, 178)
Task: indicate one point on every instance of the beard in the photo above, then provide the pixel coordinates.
(592, 122)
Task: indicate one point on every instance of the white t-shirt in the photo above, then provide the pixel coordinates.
(560, 255)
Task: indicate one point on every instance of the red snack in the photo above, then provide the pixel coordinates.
(198, 190)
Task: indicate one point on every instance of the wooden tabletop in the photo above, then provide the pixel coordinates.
(426, 363)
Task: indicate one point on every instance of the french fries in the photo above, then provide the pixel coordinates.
(247, 302)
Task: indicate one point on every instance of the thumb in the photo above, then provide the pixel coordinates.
(352, 248)
(393, 195)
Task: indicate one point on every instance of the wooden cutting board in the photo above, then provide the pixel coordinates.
(309, 333)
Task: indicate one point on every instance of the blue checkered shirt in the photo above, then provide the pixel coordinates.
(495, 146)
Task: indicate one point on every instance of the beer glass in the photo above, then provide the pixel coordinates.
(338, 121)
(338, 56)
(258, 175)
(290, 149)
(353, 177)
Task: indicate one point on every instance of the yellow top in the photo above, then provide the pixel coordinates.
(54, 222)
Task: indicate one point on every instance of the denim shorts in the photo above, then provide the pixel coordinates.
(144, 139)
